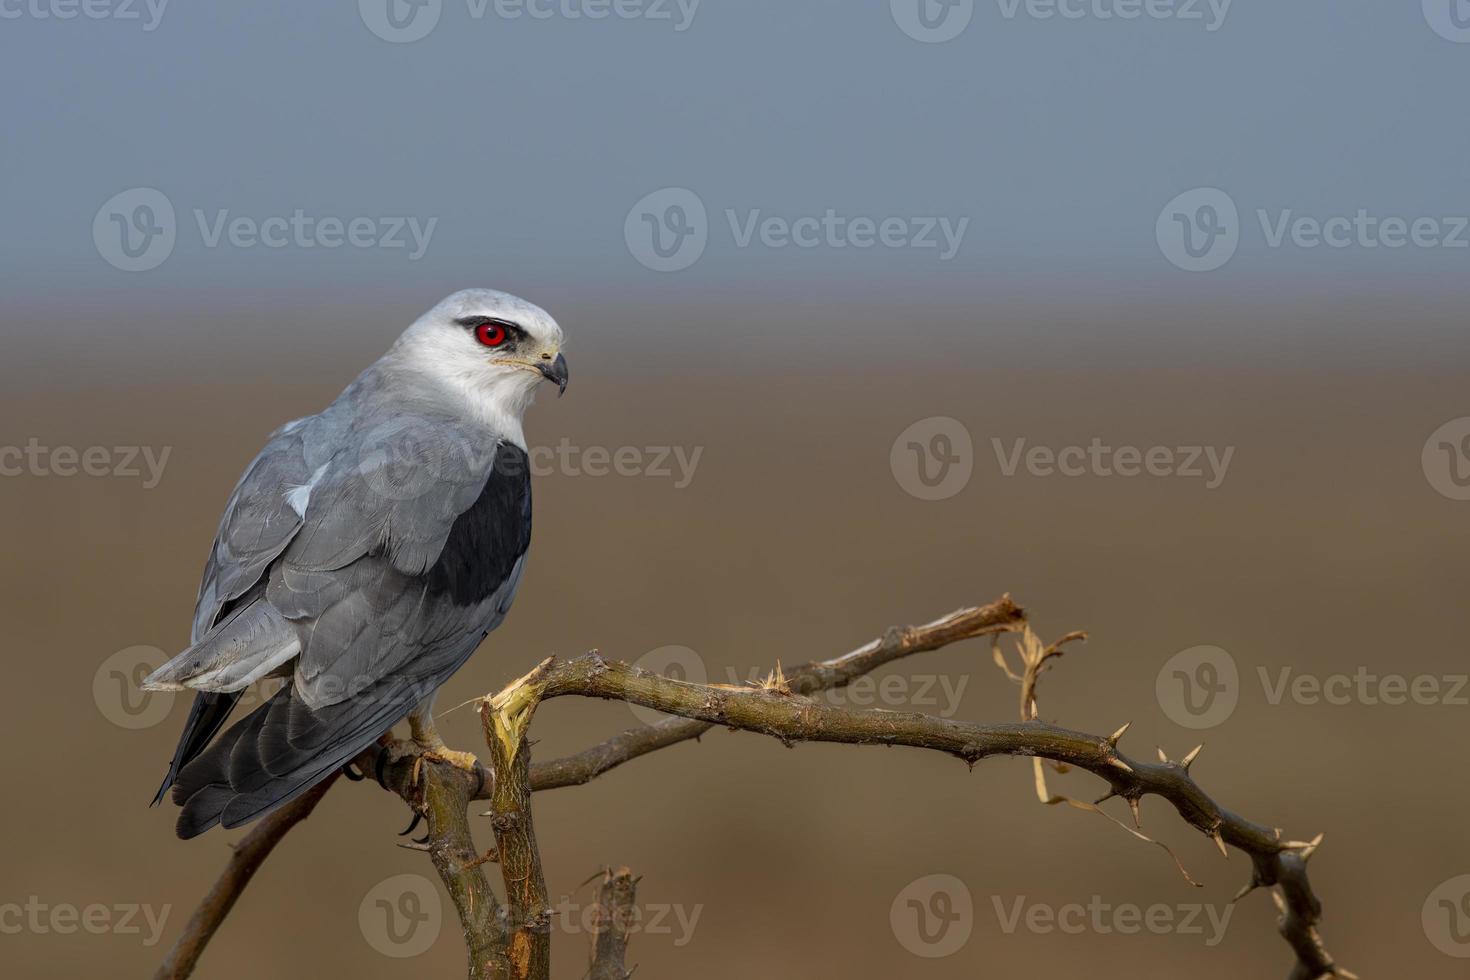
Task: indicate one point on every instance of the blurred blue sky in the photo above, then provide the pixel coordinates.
(529, 140)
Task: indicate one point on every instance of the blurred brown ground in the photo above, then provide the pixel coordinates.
(1325, 549)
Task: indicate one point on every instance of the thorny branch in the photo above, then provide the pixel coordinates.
(506, 718)
(514, 942)
(441, 795)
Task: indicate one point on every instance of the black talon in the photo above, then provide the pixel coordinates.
(479, 778)
(379, 765)
(424, 839)
(416, 818)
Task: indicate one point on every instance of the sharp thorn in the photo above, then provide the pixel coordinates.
(1250, 886)
(1133, 806)
(1307, 847)
(1105, 797)
(1113, 738)
(1193, 754)
(1220, 843)
(1162, 756)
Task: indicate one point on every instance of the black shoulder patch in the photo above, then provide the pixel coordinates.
(488, 539)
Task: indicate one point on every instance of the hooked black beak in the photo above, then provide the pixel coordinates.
(557, 371)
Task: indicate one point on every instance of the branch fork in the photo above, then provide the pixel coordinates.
(511, 941)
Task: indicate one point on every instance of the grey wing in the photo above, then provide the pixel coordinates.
(258, 522)
(362, 582)
(234, 627)
(389, 584)
(325, 549)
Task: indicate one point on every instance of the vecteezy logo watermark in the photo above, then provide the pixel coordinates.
(400, 21)
(401, 916)
(1446, 459)
(933, 458)
(124, 10)
(932, 21)
(1198, 687)
(1446, 917)
(404, 21)
(933, 916)
(124, 462)
(676, 662)
(136, 230)
(1450, 19)
(1105, 918)
(1199, 230)
(667, 230)
(64, 919)
(117, 692)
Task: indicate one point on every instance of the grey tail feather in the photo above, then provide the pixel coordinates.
(280, 750)
(206, 718)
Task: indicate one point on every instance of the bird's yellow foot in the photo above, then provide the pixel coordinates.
(436, 751)
(443, 753)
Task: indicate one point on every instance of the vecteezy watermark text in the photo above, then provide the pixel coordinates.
(938, 694)
(1210, 13)
(124, 10)
(649, 919)
(1097, 458)
(667, 230)
(406, 21)
(658, 462)
(124, 462)
(64, 919)
(1103, 917)
(936, 21)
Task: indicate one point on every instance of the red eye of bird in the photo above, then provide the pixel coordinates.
(491, 334)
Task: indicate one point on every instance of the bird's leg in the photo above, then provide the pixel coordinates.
(431, 746)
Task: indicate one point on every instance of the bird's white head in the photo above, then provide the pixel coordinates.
(491, 350)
